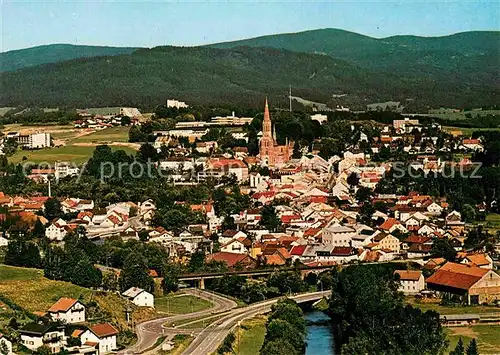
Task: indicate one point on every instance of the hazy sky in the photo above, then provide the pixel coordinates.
(152, 23)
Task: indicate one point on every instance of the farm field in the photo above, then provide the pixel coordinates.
(487, 337)
(467, 131)
(181, 304)
(112, 134)
(67, 153)
(449, 115)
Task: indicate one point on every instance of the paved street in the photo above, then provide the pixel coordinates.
(147, 332)
(211, 337)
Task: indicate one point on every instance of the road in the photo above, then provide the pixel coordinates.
(147, 332)
(209, 339)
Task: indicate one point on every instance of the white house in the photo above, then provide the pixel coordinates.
(338, 235)
(140, 297)
(34, 335)
(68, 310)
(234, 246)
(434, 209)
(411, 282)
(104, 334)
(5, 343)
(57, 230)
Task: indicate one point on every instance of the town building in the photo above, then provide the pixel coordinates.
(102, 335)
(139, 297)
(270, 151)
(34, 141)
(411, 281)
(473, 284)
(67, 310)
(35, 335)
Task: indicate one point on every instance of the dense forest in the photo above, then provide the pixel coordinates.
(419, 73)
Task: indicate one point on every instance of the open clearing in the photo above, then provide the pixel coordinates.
(487, 337)
(73, 145)
(452, 310)
(181, 304)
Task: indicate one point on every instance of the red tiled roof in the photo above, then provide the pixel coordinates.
(103, 330)
(62, 305)
(274, 259)
(298, 250)
(230, 259)
(409, 275)
(342, 251)
(389, 223)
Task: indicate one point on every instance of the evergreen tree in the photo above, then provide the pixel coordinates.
(135, 273)
(472, 348)
(459, 349)
(85, 274)
(53, 208)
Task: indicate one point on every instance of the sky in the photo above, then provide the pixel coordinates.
(187, 23)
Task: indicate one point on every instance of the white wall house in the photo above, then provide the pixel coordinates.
(35, 335)
(68, 310)
(234, 246)
(140, 297)
(57, 230)
(411, 282)
(104, 334)
(338, 235)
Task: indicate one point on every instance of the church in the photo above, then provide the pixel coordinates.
(269, 151)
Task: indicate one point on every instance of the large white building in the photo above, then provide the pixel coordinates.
(338, 235)
(176, 103)
(34, 141)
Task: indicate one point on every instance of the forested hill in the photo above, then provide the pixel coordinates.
(463, 57)
(392, 52)
(419, 72)
(53, 53)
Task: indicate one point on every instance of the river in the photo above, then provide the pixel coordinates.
(319, 334)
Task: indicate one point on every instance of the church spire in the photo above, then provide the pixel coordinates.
(266, 124)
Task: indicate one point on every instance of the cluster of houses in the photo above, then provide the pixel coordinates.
(83, 337)
(111, 118)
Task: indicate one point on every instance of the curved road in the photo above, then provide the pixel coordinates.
(147, 332)
(209, 339)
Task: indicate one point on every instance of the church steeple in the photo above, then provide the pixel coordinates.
(266, 124)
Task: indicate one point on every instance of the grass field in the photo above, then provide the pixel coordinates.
(467, 131)
(112, 134)
(181, 304)
(251, 334)
(450, 115)
(487, 337)
(452, 310)
(72, 145)
(31, 291)
(68, 153)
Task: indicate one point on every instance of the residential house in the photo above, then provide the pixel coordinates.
(102, 335)
(411, 281)
(35, 335)
(387, 241)
(139, 297)
(481, 260)
(473, 284)
(234, 246)
(67, 310)
(233, 260)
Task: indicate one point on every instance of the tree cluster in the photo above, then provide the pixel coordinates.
(369, 316)
(285, 330)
